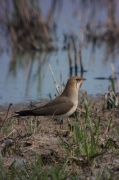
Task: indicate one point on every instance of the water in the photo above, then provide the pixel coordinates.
(28, 77)
(32, 79)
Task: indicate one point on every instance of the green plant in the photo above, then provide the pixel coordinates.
(85, 142)
(86, 108)
(112, 84)
(8, 124)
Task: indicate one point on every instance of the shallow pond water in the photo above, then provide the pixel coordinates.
(27, 76)
(31, 79)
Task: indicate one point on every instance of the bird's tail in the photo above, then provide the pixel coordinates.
(24, 113)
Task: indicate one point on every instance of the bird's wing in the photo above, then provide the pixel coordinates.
(56, 107)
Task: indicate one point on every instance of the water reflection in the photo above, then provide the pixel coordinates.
(28, 77)
(25, 73)
(87, 31)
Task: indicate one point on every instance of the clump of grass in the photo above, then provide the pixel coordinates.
(7, 125)
(85, 145)
(33, 171)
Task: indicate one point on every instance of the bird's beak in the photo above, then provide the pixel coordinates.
(82, 79)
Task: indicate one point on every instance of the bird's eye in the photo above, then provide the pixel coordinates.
(77, 80)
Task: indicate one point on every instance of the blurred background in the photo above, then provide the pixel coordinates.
(76, 37)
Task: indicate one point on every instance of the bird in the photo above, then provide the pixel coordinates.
(62, 106)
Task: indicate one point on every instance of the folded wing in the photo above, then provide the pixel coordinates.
(57, 107)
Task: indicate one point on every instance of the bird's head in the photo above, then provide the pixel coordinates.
(72, 87)
(74, 82)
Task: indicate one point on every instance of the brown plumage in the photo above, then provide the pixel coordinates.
(62, 106)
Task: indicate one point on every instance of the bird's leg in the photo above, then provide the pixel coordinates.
(70, 125)
(61, 123)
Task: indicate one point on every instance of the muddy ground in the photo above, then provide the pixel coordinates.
(26, 138)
